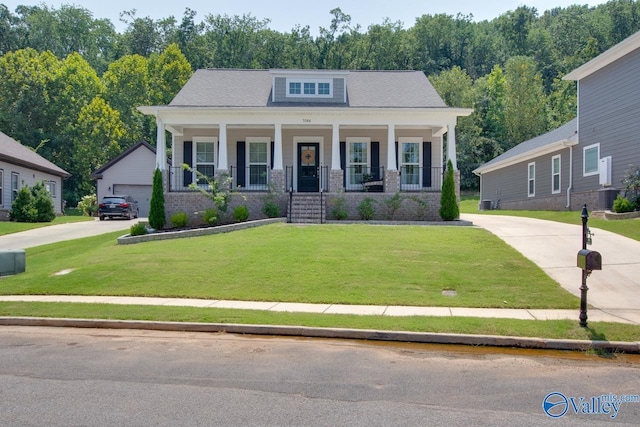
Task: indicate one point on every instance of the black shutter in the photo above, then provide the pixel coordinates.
(343, 163)
(273, 148)
(426, 164)
(241, 163)
(375, 160)
(187, 175)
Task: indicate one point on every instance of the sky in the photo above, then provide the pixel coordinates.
(285, 14)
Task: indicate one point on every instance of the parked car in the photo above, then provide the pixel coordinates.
(118, 206)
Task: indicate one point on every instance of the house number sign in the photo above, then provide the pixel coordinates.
(306, 120)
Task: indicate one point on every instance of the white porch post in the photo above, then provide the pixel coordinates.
(391, 149)
(277, 147)
(223, 162)
(451, 146)
(161, 146)
(335, 147)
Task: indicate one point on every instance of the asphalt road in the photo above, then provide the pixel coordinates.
(88, 377)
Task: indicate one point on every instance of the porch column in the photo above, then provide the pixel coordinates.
(161, 146)
(223, 161)
(277, 148)
(335, 147)
(451, 146)
(391, 149)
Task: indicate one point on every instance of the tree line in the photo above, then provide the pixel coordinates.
(70, 83)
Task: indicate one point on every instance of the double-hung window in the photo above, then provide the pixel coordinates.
(205, 160)
(15, 180)
(591, 157)
(357, 161)
(532, 179)
(52, 188)
(1, 187)
(410, 163)
(258, 161)
(555, 174)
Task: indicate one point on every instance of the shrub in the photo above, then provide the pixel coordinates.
(448, 200)
(271, 209)
(32, 205)
(210, 216)
(43, 203)
(241, 213)
(178, 219)
(138, 229)
(422, 209)
(338, 211)
(88, 205)
(156, 208)
(365, 209)
(622, 205)
(393, 204)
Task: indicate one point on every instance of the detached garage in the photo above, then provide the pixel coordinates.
(130, 173)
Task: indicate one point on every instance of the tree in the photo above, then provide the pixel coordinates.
(168, 72)
(448, 200)
(156, 209)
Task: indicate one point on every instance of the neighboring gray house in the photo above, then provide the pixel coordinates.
(590, 169)
(320, 134)
(19, 167)
(130, 173)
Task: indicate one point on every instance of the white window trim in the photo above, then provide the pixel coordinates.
(584, 160)
(257, 140)
(52, 187)
(194, 148)
(348, 164)
(302, 82)
(415, 140)
(531, 179)
(1, 187)
(14, 191)
(553, 174)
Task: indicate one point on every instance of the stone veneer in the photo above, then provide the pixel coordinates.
(410, 209)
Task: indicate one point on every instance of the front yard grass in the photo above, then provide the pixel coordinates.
(8, 227)
(349, 264)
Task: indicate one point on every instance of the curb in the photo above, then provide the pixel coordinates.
(356, 334)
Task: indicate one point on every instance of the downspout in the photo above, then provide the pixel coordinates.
(570, 177)
(481, 198)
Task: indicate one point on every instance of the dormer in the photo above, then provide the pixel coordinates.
(309, 86)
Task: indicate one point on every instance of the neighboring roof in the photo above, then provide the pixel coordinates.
(565, 135)
(252, 88)
(13, 152)
(623, 48)
(97, 174)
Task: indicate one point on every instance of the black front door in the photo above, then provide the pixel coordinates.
(308, 167)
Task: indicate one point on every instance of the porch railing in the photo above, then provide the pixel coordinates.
(250, 178)
(181, 179)
(364, 178)
(415, 178)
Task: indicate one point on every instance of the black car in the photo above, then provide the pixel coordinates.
(117, 206)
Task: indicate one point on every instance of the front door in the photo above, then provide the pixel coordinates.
(308, 167)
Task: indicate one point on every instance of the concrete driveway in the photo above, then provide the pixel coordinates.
(554, 247)
(58, 233)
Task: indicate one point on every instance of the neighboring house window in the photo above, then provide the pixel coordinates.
(410, 162)
(258, 162)
(358, 161)
(15, 179)
(590, 159)
(52, 188)
(205, 161)
(555, 174)
(309, 88)
(532, 179)
(1, 187)
(47, 186)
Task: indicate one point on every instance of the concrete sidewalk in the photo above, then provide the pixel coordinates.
(595, 315)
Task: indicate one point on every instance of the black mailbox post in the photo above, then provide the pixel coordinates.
(588, 261)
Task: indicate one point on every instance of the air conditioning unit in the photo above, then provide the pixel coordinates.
(605, 171)
(12, 261)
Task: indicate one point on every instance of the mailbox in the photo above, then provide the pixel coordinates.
(589, 260)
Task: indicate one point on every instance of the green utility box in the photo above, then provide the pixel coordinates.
(12, 261)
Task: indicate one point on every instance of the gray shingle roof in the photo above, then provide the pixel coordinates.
(562, 133)
(14, 152)
(252, 88)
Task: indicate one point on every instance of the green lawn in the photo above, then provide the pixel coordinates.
(7, 227)
(626, 227)
(350, 264)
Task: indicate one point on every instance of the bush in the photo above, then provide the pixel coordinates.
(448, 200)
(178, 219)
(156, 208)
(365, 209)
(241, 213)
(210, 216)
(88, 205)
(271, 209)
(43, 203)
(338, 211)
(393, 204)
(622, 205)
(32, 205)
(138, 229)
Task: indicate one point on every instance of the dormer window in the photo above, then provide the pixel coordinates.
(309, 88)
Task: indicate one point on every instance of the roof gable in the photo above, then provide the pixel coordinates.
(97, 174)
(14, 152)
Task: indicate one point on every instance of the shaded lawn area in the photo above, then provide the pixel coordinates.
(625, 227)
(350, 264)
(7, 227)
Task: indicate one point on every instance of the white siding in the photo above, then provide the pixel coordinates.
(28, 177)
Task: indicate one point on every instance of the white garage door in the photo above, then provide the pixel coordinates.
(140, 193)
